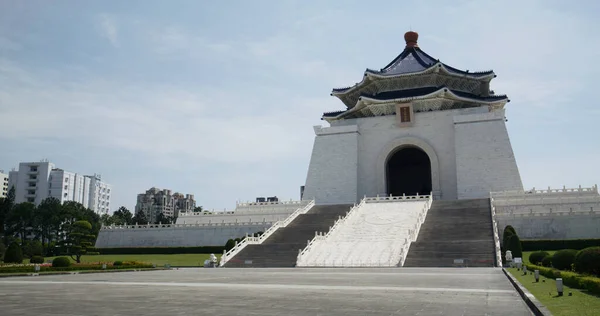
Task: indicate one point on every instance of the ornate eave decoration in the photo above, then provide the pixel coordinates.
(438, 100)
(415, 68)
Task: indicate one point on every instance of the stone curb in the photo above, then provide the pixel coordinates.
(534, 305)
(26, 274)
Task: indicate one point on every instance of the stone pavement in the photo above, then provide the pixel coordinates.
(294, 291)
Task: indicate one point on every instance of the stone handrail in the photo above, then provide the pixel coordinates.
(159, 226)
(321, 236)
(235, 213)
(579, 190)
(549, 213)
(496, 236)
(227, 255)
(395, 259)
(412, 235)
(243, 204)
(387, 198)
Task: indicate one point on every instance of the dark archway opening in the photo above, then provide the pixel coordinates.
(408, 171)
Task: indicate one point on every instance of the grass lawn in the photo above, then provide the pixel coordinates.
(189, 260)
(580, 303)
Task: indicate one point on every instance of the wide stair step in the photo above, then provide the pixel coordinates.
(281, 248)
(454, 230)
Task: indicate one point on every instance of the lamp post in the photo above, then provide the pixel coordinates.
(559, 286)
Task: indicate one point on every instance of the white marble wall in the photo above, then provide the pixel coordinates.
(175, 235)
(550, 214)
(350, 156)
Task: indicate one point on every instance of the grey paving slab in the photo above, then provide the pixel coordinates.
(398, 291)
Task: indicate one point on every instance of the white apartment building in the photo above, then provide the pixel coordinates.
(3, 184)
(36, 181)
(156, 201)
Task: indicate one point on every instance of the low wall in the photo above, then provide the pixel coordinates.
(550, 214)
(245, 212)
(175, 235)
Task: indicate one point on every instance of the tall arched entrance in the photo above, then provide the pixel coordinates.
(408, 171)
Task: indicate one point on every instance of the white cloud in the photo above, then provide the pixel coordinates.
(107, 27)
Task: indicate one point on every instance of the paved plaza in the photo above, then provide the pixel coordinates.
(394, 291)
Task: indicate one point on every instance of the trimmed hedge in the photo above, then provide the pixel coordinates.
(547, 261)
(571, 279)
(158, 250)
(36, 259)
(564, 259)
(550, 244)
(71, 268)
(537, 257)
(588, 261)
(61, 262)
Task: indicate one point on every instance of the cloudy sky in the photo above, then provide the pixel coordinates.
(218, 98)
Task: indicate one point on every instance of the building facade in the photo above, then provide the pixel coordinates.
(417, 126)
(3, 184)
(37, 181)
(156, 201)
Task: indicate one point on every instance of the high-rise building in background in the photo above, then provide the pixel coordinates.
(156, 201)
(3, 184)
(37, 181)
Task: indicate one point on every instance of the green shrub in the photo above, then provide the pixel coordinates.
(13, 254)
(230, 244)
(551, 244)
(159, 250)
(547, 261)
(118, 263)
(537, 257)
(508, 231)
(36, 259)
(514, 245)
(588, 261)
(564, 259)
(61, 262)
(93, 253)
(2, 250)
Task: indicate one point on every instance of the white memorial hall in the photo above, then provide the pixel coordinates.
(416, 169)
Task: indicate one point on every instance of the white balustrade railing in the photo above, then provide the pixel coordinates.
(252, 240)
(319, 236)
(397, 254)
(177, 226)
(565, 191)
(496, 236)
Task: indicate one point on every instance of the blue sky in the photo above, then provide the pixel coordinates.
(218, 98)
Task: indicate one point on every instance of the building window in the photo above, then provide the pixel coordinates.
(30, 200)
(65, 195)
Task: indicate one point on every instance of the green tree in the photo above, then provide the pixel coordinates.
(161, 218)
(13, 254)
(78, 240)
(514, 245)
(122, 216)
(508, 231)
(6, 205)
(20, 219)
(140, 218)
(49, 217)
(198, 209)
(106, 220)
